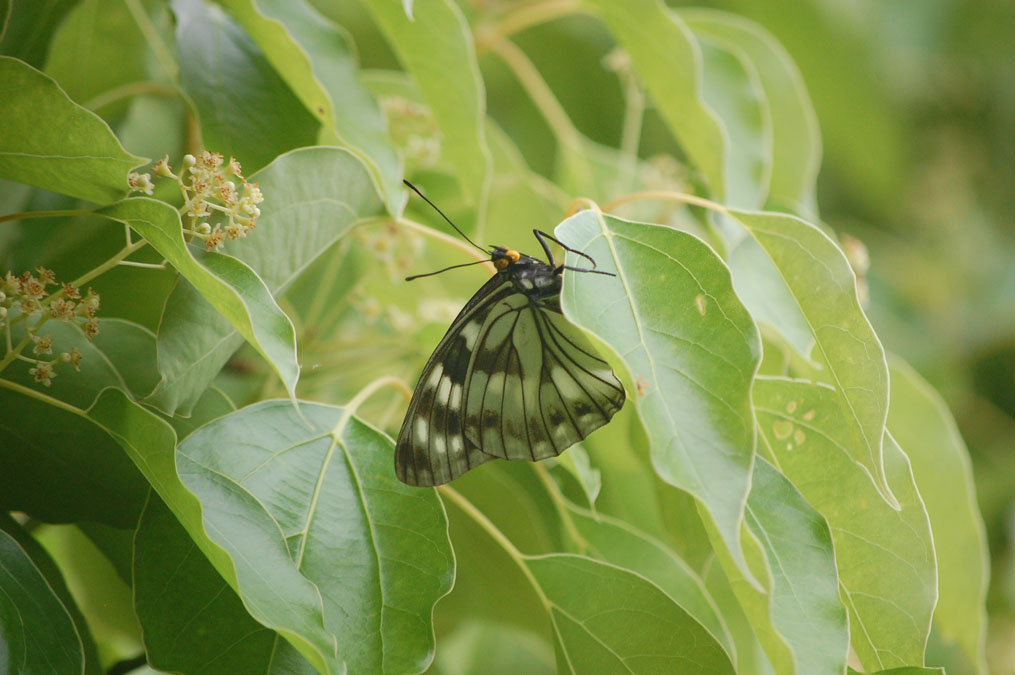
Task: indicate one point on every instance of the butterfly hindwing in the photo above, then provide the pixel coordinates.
(511, 379)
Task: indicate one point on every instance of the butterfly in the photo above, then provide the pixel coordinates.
(511, 379)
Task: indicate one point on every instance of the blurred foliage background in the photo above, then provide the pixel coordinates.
(916, 103)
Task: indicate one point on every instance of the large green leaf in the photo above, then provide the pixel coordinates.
(97, 49)
(920, 422)
(377, 550)
(58, 467)
(617, 542)
(73, 153)
(801, 625)
(436, 48)
(232, 288)
(316, 60)
(607, 619)
(312, 197)
(193, 622)
(885, 557)
(846, 349)
(245, 108)
(689, 346)
(669, 62)
(41, 629)
(273, 592)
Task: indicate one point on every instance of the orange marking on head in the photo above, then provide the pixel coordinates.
(514, 255)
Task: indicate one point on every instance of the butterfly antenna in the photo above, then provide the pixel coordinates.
(434, 206)
(453, 267)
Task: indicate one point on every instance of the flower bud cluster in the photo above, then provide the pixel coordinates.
(219, 203)
(25, 299)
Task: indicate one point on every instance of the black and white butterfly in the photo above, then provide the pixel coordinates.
(511, 379)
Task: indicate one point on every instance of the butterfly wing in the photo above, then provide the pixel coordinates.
(432, 448)
(536, 386)
(511, 379)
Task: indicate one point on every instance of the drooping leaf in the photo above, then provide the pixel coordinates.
(920, 422)
(801, 625)
(669, 62)
(229, 285)
(245, 108)
(795, 137)
(436, 47)
(274, 593)
(626, 624)
(74, 153)
(316, 60)
(617, 542)
(312, 197)
(846, 349)
(192, 620)
(376, 549)
(884, 556)
(689, 346)
(42, 629)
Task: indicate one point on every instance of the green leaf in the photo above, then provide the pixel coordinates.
(41, 628)
(231, 287)
(436, 48)
(26, 28)
(378, 550)
(575, 468)
(795, 137)
(193, 621)
(885, 557)
(245, 108)
(920, 422)
(607, 619)
(316, 59)
(688, 344)
(732, 89)
(97, 49)
(273, 592)
(801, 624)
(74, 153)
(312, 197)
(58, 467)
(122, 355)
(669, 62)
(619, 543)
(846, 349)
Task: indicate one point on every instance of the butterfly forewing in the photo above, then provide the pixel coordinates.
(511, 379)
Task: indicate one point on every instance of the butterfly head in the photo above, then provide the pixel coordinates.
(502, 258)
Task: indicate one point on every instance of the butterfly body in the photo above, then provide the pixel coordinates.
(511, 379)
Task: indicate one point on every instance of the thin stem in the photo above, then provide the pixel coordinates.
(25, 215)
(130, 90)
(38, 395)
(366, 392)
(525, 16)
(559, 504)
(630, 139)
(106, 266)
(162, 53)
(147, 266)
(541, 94)
(485, 524)
(681, 197)
(12, 352)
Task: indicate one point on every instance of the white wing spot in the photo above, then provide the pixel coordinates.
(439, 445)
(456, 396)
(444, 390)
(435, 376)
(421, 429)
(457, 445)
(470, 332)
